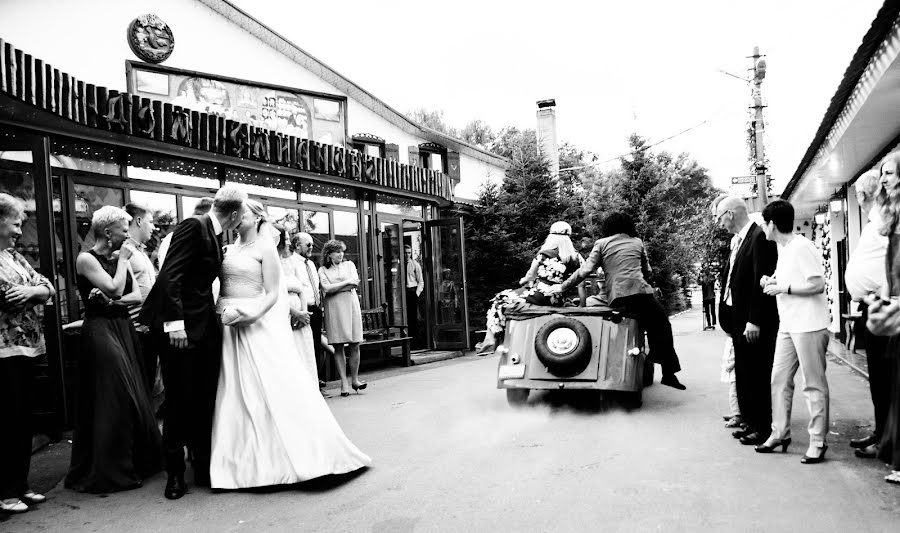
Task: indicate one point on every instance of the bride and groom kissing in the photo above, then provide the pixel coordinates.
(238, 394)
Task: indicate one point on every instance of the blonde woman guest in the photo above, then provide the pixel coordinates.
(798, 285)
(884, 311)
(117, 443)
(343, 317)
(556, 261)
(22, 291)
(300, 317)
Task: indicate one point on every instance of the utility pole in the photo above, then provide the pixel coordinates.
(758, 128)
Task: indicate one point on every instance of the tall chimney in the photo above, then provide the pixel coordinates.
(546, 134)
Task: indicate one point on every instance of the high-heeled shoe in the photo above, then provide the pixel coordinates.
(483, 348)
(362, 386)
(766, 447)
(807, 460)
(345, 394)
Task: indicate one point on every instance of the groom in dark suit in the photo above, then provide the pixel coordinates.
(180, 311)
(749, 316)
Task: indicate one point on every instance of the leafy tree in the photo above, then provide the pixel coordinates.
(433, 120)
(478, 133)
(668, 197)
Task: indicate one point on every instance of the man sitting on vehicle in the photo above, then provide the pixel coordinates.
(624, 261)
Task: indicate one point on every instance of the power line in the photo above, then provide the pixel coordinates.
(695, 126)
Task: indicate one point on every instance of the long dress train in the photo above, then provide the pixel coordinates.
(271, 424)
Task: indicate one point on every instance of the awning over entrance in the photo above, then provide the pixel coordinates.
(861, 124)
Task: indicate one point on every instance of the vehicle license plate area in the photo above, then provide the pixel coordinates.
(512, 372)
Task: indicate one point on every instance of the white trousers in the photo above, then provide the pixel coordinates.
(806, 350)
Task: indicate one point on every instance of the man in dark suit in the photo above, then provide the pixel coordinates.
(749, 317)
(181, 312)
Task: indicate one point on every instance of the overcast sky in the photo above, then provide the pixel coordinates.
(614, 68)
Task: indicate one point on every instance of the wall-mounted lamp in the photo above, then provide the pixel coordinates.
(837, 205)
(820, 218)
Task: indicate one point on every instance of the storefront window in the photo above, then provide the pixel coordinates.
(316, 224)
(369, 275)
(262, 184)
(163, 207)
(346, 229)
(188, 204)
(169, 170)
(325, 193)
(83, 156)
(285, 216)
(396, 205)
(88, 199)
(20, 184)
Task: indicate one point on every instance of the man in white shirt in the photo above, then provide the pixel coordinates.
(303, 249)
(140, 229)
(415, 284)
(865, 274)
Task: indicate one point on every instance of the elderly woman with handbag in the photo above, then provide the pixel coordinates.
(22, 291)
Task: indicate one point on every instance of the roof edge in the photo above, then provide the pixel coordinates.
(363, 96)
(881, 27)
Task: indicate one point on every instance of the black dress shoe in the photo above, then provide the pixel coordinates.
(807, 460)
(771, 446)
(863, 442)
(175, 487)
(753, 439)
(740, 433)
(672, 381)
(869, 452)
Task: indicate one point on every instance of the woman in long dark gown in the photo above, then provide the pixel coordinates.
(117, 441)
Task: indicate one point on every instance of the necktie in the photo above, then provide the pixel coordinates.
(734, 250)
(312, 283)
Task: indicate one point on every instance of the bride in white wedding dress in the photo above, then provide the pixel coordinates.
(271, 424)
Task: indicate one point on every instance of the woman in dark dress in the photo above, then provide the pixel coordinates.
(556, 261)
(117, 441)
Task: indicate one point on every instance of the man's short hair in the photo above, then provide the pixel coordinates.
(203, 205)
(229, 199)
(781, 212)
(136, 210)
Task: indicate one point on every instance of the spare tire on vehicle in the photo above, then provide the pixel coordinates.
(564, 346)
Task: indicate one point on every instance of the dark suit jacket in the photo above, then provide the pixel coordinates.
(183, 289)
(755, 258)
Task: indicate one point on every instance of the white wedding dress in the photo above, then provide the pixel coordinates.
(271, 424)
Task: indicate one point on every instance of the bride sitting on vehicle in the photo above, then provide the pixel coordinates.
(556, 262)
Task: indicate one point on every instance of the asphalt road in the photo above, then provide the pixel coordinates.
(450, 455)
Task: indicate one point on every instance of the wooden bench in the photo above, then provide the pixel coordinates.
(379, 333)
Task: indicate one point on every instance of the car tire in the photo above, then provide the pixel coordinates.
(517, 397)
(648, 372)
(564, 346)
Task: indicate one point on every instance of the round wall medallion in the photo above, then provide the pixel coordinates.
(150, 38)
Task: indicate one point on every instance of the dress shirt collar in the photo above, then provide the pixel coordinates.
(217, 228)
(139, 246)
(743, 233)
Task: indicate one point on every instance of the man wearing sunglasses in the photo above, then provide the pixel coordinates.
(303, 246)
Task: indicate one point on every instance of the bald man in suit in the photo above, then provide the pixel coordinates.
(749, 317)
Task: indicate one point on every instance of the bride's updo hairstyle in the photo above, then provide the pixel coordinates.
(258, 210)
(560, 240)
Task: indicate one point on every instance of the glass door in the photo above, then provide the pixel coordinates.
(445, 255)
(393, 271)
(25, 175)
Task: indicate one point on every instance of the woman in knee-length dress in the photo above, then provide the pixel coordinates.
(117, 441)
(343, 317)
(271, 426)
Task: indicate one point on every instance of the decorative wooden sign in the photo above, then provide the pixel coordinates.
(39, 84)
